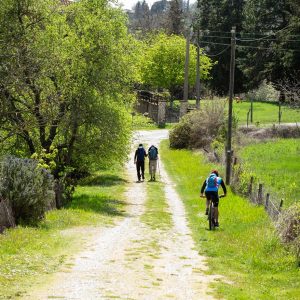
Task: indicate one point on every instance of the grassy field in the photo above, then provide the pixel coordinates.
(280, 169)
(263, 112)
(245, 249)
(28, 254)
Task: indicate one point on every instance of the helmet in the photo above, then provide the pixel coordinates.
(215, 172)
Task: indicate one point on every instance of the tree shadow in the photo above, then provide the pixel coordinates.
(103, 180)
(99, 204)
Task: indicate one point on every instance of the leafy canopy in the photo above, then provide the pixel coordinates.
(164, 59)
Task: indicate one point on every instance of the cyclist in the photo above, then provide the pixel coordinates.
(211, 186)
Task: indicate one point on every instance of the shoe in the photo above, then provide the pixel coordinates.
(153, 178)
(217, 224)
(206, 212)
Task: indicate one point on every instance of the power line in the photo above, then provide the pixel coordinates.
(253, 47)
(223, 44)
(252, 40)
(245, 39)
(265, 48)
(213, 55)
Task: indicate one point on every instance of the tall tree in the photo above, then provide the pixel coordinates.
(175, 17)
(276, 57)
(217, 19)
(163, 65)
(63, 78)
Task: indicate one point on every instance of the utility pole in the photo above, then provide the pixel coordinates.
(231, 93)
(184, 102)
(198, 60)
(198, 71)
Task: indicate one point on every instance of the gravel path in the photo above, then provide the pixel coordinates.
(133, 261)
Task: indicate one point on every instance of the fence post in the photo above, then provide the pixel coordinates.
(260, 194)
(280, 205)
(250, 186)
(235, 161)
(267, 201)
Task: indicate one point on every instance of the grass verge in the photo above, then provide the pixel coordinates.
(28, 254)
(245, 249)
(280, 169)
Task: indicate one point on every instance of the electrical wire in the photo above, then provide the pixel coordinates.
(251, 40)
(253, 47)
(218, 54)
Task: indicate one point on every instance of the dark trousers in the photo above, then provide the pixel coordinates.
(140, 168)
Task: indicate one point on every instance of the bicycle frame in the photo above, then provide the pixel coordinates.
(211, 216)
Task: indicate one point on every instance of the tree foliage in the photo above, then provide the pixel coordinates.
(164, 59)
(64, 75)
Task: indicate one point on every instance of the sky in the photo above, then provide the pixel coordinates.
(128, 4)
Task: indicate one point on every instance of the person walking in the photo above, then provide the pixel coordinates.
(153, 158)
(211, 186)
(139, 160)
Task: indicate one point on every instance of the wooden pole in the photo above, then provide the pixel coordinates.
(231, 92)
(184, 103)
(198, 70)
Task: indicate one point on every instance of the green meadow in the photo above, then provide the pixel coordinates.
(265, 113)
(276, 164)
(245, 249)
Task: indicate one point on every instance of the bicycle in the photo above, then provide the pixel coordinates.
(211, 214)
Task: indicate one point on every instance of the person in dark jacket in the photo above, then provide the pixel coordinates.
(211, 186)
(139, 160)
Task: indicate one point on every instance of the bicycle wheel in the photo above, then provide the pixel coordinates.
(211, 220)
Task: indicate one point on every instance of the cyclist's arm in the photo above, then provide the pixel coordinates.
(223, 187)
(203, 188)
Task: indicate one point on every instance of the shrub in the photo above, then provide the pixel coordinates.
(180, 134)
(288, 227)
(199, 128)
(29, 188)
(264, 93)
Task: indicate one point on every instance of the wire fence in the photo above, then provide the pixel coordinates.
(257, 193)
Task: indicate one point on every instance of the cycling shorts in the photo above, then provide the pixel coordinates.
(213, 196)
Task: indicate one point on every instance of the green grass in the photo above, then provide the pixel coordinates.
(265, 113)
(245, 249)
(28, 254)
(156, 215)
(280, 169)
(140, 122)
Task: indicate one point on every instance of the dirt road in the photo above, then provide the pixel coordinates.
(133, 261)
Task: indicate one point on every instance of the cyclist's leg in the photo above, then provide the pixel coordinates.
(215, 200)
(208, 197)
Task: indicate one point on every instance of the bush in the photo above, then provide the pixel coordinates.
(199, 128)
(264, 93)
(29, 188)
(180, 134)
(288, 227)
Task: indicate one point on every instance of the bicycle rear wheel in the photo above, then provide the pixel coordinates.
(211, 220)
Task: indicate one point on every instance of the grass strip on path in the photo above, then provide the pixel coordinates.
(29, 253)
(156, 215)
(245, 249)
